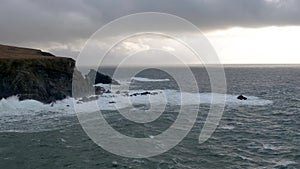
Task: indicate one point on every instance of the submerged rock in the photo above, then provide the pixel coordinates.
(115, 164)
(143, 94)
(99, 90)
(87, 99)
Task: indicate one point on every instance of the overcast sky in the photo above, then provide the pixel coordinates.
(241, 31)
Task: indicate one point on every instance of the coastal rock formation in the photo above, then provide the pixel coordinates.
(33, 74)
(38, 75)
(95, 77)
(143, 94)
(241, 97)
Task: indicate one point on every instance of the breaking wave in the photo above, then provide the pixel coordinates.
(142, 79)
(31, 115)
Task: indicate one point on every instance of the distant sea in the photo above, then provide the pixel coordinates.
(261, 132)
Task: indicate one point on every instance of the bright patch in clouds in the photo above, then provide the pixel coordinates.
(134, 47)
(269, 45)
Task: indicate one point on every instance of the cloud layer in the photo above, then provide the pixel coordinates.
(66, 22)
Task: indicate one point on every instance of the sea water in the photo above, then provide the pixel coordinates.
(260, 132)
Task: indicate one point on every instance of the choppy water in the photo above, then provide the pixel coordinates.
(262, 132)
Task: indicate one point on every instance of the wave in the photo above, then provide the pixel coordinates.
(12, 106)
(142, 79)
(31, 115)
(227, 127)
(110, 101)
(283, 163)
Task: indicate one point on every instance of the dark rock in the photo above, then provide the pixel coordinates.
(134, 94)
(33, 74)
(115, 164)
(99, 90)
(38, 75)
(241, 97)
(145, 93)
(95, 77)
(45, 80)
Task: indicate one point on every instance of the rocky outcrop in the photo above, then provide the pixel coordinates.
(241, 97)
(38, 75)
(33, 74)
(143, 94)
(95, 77)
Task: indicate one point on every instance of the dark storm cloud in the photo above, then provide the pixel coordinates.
(65, 21)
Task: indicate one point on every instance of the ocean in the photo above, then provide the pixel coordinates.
(260, 132)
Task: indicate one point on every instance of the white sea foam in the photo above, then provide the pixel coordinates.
(284, 163)
(227, 127)
(12, 106)
(273, 147)
(142, 79)
(27, 113)
(111, 101)
(33, 116)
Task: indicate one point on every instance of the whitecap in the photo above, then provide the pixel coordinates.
(12, 106)
(112, 101)
(227, 127)
(143, 79)
(173, 97)
(272, 147)
(284, 163)
(33, 116)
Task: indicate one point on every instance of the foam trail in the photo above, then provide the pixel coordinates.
(31, 115)
(142, 79)
(12, 106)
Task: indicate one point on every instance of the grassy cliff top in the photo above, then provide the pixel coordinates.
(12, 52)
(16, 59)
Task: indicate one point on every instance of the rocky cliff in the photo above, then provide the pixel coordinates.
(34, 74)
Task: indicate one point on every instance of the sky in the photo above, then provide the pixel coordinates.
(240, 31)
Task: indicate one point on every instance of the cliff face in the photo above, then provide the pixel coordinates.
(33, 74)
